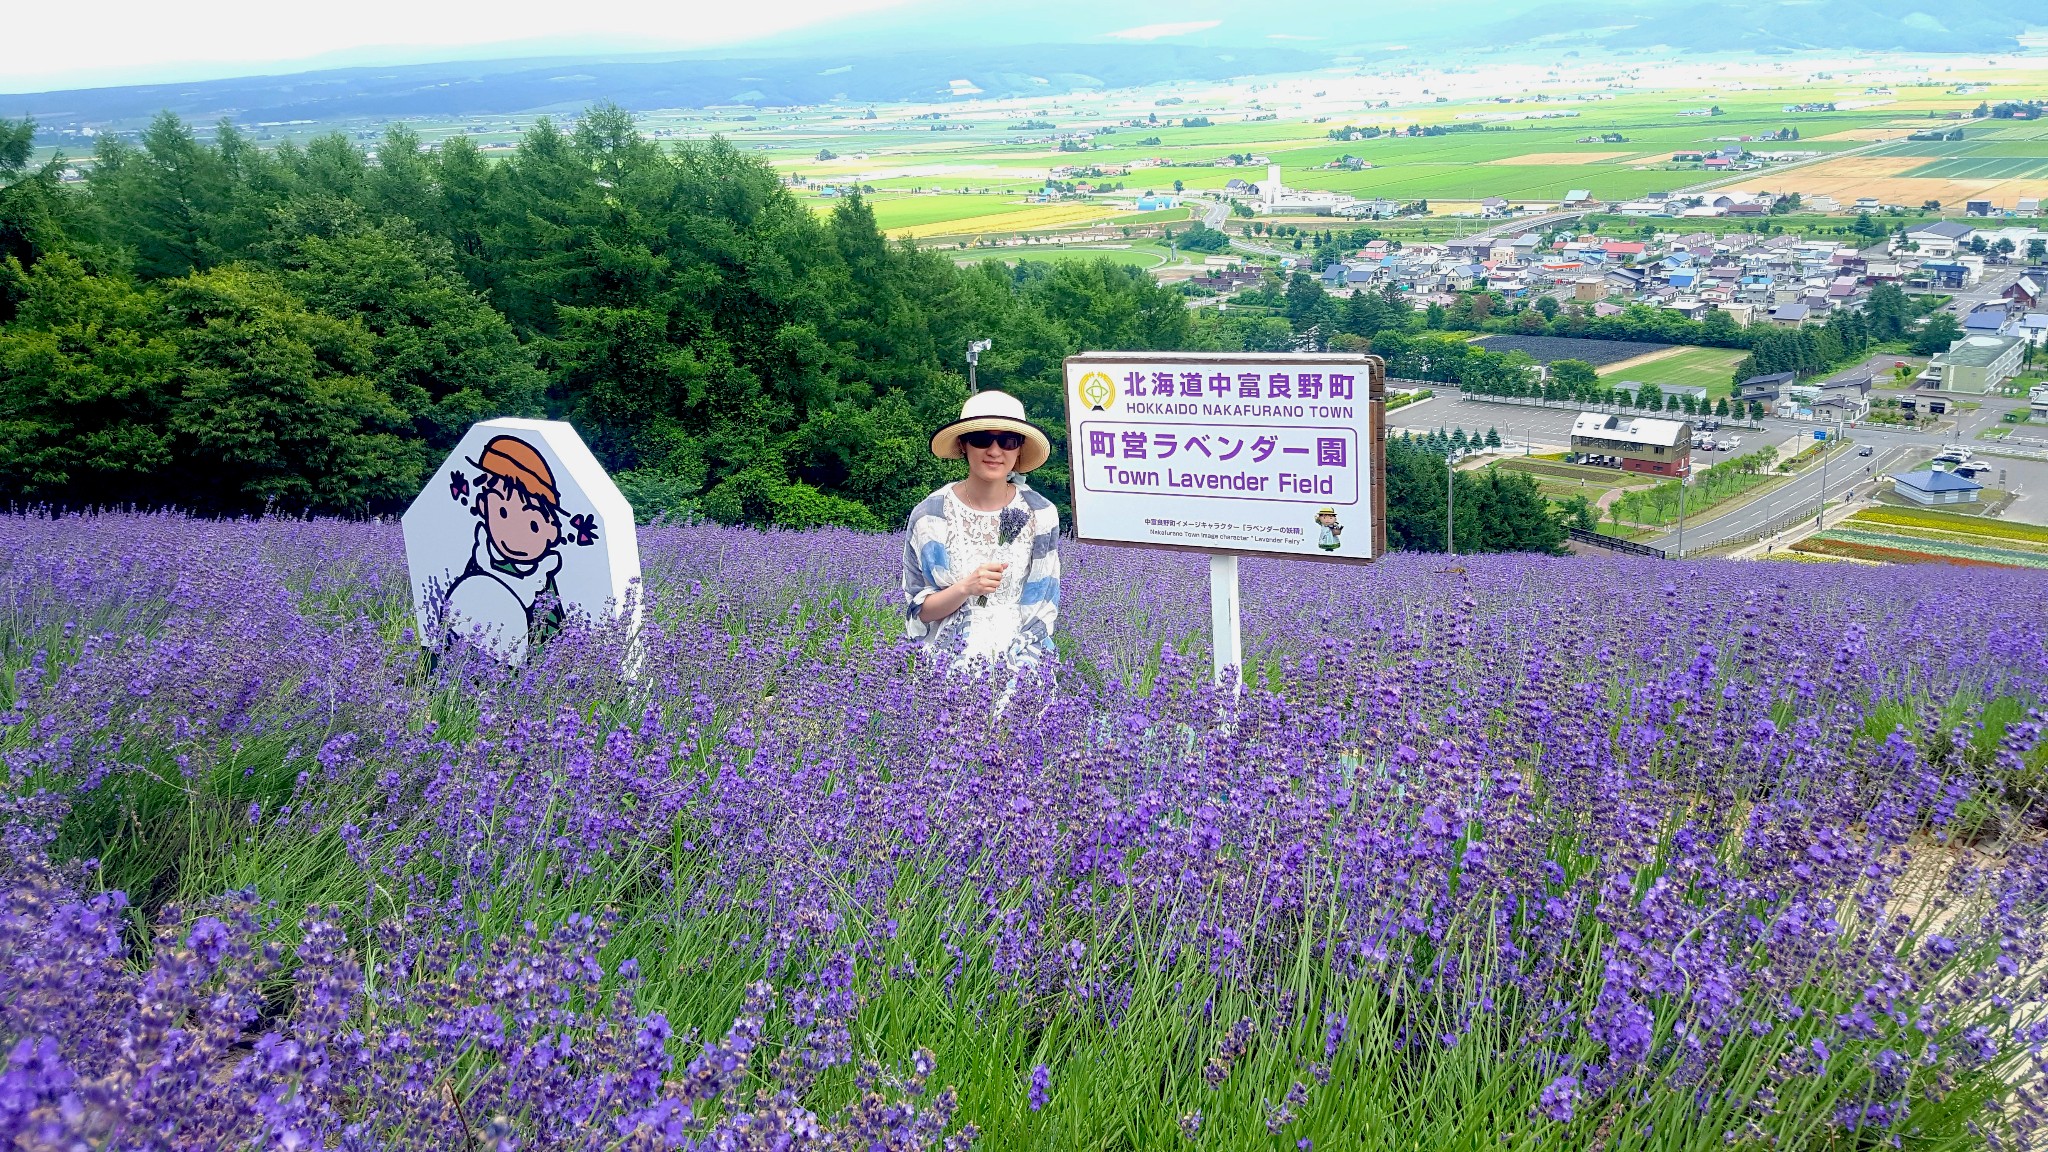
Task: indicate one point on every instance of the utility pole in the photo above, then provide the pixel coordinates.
(1451, 502)
(974, 350)
(1684, 482)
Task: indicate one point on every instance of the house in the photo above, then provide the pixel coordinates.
(2028, 206)
(1840, 409)
(1977, 363)
(2026, 292)
(1578, 198)
(1941, 237)
(1237, 185)
(1791, 315)
(1977, 208)
(1944, 274)
(1605, 308)
(1623, 249)
(1636, 443)
(2033, 328)
(1334, 273)
(1493, 206)
(1936, 488)
(1764, 388)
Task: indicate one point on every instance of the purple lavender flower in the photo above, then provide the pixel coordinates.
(1041, 1083)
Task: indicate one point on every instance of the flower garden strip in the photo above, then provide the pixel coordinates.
(1907, 549)
(1968, 525)
(1523, 853)
(1944, 535)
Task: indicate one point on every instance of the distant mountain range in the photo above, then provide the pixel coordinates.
(923, 51)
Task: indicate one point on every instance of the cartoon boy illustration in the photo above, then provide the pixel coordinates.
(508, 588)
(1326, 519)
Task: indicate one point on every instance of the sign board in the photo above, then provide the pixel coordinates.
(518, 528)
(1238, 453)
(1820, 433)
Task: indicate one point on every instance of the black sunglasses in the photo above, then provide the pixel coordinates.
(1007, 441)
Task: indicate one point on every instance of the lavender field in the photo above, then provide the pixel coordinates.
(1517, 853)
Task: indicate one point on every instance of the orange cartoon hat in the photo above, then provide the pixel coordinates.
(515, 459)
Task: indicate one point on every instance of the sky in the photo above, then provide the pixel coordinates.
(108, 42)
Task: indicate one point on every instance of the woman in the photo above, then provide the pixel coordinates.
(982, 565)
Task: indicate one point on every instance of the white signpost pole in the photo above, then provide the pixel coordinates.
(1226, 638)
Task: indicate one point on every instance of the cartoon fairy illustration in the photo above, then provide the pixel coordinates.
(508, 587)
(1330, 540)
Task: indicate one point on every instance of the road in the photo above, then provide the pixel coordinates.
(1549, 429)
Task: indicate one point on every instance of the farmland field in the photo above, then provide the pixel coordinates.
(1518, 853)
(1139, 256)
(1021, 218)
(1982, 167)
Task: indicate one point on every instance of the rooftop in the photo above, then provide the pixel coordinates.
(1945, 229)
(1938, 482)
(1980, 351)
(1636, 429)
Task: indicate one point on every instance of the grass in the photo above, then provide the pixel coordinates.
(1601, 477)
(1709, 368)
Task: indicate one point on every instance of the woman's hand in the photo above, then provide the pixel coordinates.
(985, 578)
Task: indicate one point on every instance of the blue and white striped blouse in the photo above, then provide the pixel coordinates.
(937, 528)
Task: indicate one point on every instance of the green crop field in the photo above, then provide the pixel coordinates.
(1984, 168)
(1709, 368)
(910, 211)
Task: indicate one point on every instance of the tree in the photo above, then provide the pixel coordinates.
(1938, 332)
(1721, 406)
(1493, 438)
(1756, 410)
(1177, 186)
(1576, 377)
(2037, 249)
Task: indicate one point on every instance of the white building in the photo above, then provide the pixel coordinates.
(1276, 198)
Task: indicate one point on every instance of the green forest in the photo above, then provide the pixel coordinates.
(210, 325)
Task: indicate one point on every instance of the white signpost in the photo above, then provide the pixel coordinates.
(1230, 454)
(518, 526)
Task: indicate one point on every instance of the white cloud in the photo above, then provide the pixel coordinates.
(141, 41)
(1161, 31)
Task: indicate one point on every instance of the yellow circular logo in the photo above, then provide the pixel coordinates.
(1097, 391)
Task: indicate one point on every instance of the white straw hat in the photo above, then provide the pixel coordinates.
(993, 412)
